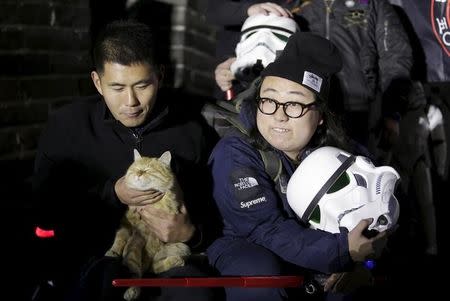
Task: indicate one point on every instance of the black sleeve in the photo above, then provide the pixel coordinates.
(195, 181)
(64, 200)
(61, 177)
(228, 13)
(395, 56)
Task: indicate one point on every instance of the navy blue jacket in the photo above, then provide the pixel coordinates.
(373, 44)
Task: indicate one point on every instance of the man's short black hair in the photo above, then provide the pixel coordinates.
(125, 42)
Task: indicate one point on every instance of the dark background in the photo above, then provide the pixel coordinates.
(45, 63)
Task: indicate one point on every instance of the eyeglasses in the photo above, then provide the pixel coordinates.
(292, 109)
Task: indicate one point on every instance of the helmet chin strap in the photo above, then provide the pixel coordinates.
(344, 166)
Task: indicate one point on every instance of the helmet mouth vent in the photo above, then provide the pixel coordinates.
(382, 220)
(370, 233)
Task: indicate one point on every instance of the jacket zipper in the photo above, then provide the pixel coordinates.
(328, 4)
(386, 32)
(138, 141)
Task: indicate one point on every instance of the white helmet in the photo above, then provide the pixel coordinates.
(332, 188)
(262, 36)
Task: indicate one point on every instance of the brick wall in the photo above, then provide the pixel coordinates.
(190, 41)
(44, 62)
(192, 47)
(44, 57)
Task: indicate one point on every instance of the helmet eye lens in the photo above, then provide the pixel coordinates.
(281, 37)
(250, 34)
(315, 215)
(340, 183)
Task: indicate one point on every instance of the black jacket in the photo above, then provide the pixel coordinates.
(427, 21)
(373, 44)
(84, 150)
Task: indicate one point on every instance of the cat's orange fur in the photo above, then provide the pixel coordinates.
(140, 249)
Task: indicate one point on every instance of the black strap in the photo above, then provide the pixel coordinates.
(309, 210)
(272, 164)
(268, 27)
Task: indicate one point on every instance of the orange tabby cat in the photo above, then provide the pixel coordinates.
(139, 247)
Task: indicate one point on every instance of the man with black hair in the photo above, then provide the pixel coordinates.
(86, 149)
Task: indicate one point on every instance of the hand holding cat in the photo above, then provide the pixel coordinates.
(133, 197)
(168, 227)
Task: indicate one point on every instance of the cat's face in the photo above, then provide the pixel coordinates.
(150, 173)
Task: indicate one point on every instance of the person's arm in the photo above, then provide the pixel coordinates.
(438, 139)
(133, 197)
(49, 181)
(394, 52)
(62, 181)
(195, 179)
(223, 75)
(250, 208)
(228, 13)
(234, 13)
(194, 224)
(65, 201)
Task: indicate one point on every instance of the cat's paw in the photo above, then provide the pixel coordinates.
(112, 253)
(132, 293)
(167, 263)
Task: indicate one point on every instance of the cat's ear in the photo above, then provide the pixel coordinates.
(137, 155)
(165, 158)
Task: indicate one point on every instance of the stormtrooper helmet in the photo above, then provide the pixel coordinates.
(333, 189)
(262, 38)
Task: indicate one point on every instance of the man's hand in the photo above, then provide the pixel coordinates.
(168, 227)
(361, 247)
(223, 74)
(133, 197)
(268, 7)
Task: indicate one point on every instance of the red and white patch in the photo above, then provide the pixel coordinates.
(439, 14)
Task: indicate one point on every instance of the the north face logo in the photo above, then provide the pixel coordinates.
(245, 183)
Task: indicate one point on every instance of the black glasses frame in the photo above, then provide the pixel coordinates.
(305, 107)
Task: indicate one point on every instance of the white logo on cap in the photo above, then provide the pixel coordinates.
(312, 80)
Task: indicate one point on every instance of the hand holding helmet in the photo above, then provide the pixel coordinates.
(223, 74)
(332, 190)
(263, 36)
(268, 8)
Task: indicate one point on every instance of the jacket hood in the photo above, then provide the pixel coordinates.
(247, 114)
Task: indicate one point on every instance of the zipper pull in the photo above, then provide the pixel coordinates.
(138, 141)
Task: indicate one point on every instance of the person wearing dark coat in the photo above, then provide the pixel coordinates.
(290, 117)
(85, 150)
